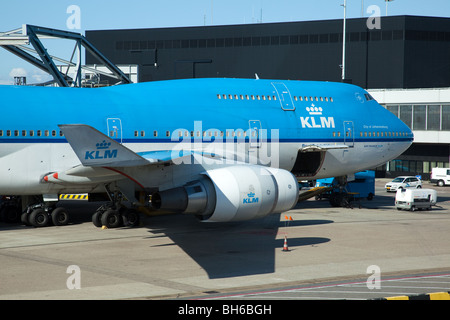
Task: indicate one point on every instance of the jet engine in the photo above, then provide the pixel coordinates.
(232, 193)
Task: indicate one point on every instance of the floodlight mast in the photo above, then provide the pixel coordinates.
(344, 40)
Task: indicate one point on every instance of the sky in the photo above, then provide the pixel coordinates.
(131, 14)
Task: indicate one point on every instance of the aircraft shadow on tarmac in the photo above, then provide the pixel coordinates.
(234, 249)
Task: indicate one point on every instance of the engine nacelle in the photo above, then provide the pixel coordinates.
(233, 193)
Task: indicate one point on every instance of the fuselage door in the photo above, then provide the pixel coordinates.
(114, 127)
(349, 138)
(255, 132)
(284, 96)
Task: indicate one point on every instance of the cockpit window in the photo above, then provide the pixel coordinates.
(368, 97)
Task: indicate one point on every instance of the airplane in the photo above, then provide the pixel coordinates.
(219, 149)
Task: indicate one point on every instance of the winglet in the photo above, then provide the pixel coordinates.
(94, 149)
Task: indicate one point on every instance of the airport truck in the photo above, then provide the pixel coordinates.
(363, 186)
(440, 176)
(415, 199)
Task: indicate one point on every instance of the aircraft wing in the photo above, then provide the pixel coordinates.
(95, 149)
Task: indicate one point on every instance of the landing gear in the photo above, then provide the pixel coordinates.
(110, 217)
(42, 215)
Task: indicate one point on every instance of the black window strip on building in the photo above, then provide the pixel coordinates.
(276, 40)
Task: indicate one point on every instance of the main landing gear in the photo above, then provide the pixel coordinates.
(115, 214)
(112, 216)
(43, 215)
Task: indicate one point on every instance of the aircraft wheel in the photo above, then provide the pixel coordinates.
(38, 218)
(24, 219)
(60, 217)
(111, 219)
(131, 218)
(10, 213)
(97, 218)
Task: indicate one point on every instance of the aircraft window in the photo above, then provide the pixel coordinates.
(295, 98)
(230, 96)
(334, 134)
(225, 97)
(264, 97)
(210, 133)
(8, 133)
(274, 98)
(31, 133)
(46, 133)
(219, 96)
(326, 99)
(61, 134)
(306, 98)
(215, 133)
(53, 133)
(167, 133)
(247, 97)
(16, 133)
(331, 99)
(258, 97)
(360, 134)
(339, 133)
(143, 133)
(317, 99)
(311, 98)
(236, 96)
(186, 133)
(365, 134)
(39, 133)
(368, 97)
(135, 133)
(221, 133)
(242, 97)
(253, 97)
(269, 97)
(24, 133)
(1, 133)
(321, 99)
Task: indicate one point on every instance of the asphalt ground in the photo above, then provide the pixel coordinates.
(332, 254)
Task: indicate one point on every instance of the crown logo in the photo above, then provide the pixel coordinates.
(251, 194)
(103, 145)
(313, 110)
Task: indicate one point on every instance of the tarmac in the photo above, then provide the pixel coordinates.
(174, 256)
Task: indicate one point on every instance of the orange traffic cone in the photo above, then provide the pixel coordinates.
(285, 247)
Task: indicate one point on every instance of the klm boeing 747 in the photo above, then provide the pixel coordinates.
(219, 149)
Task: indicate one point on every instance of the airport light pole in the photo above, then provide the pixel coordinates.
(387, 5)
(343, 40)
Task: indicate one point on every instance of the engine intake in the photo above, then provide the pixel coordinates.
(233, 193)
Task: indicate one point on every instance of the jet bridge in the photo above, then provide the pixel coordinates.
(25, 42)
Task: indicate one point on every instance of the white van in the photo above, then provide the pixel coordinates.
(413, 199)
(440, 176)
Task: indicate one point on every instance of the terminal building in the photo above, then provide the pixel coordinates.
(405, 65)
